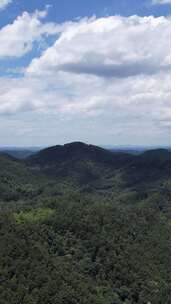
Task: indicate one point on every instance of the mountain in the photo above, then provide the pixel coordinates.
(81, 224)
(86, 168)
(79, 164)
(83, 164)
(76, 151)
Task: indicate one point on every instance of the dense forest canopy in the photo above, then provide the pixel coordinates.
(81, 224)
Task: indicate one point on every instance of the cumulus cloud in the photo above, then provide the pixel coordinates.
(4, 3)
(17, 39)
(110, 74)
(110, 47)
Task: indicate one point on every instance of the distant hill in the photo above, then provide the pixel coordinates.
(86, 168)
(78, 163)
(19, 153)
(76, 151)
(135, 150)
(85, 165)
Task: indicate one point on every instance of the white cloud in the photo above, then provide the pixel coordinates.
(110, 47)
(111, 74)
(161, 2)
(17, 39)
(114, 63)
(4, 3)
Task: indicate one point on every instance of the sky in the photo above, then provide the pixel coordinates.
(92, 71)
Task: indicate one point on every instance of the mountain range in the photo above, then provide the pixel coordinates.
(82, 224)
(87, 169)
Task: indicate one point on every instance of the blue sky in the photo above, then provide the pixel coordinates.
(67, 10)
(95, 71)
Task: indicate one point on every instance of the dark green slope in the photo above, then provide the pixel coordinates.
(102, 170)
(16, 180)
(77, 151)
(78, 163)
(149, 162)
(96, 171)
(149, 167)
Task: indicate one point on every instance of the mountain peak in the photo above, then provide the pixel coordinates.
(73, 151)
(76, 144)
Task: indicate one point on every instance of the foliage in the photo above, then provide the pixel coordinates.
(90, 227)
(34, 215)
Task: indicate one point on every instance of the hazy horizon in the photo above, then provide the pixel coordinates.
(107, 146)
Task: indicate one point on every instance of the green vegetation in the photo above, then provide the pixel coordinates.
(34, 215)
(85, 226)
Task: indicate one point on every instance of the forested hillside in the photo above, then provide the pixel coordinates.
(80, 224)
